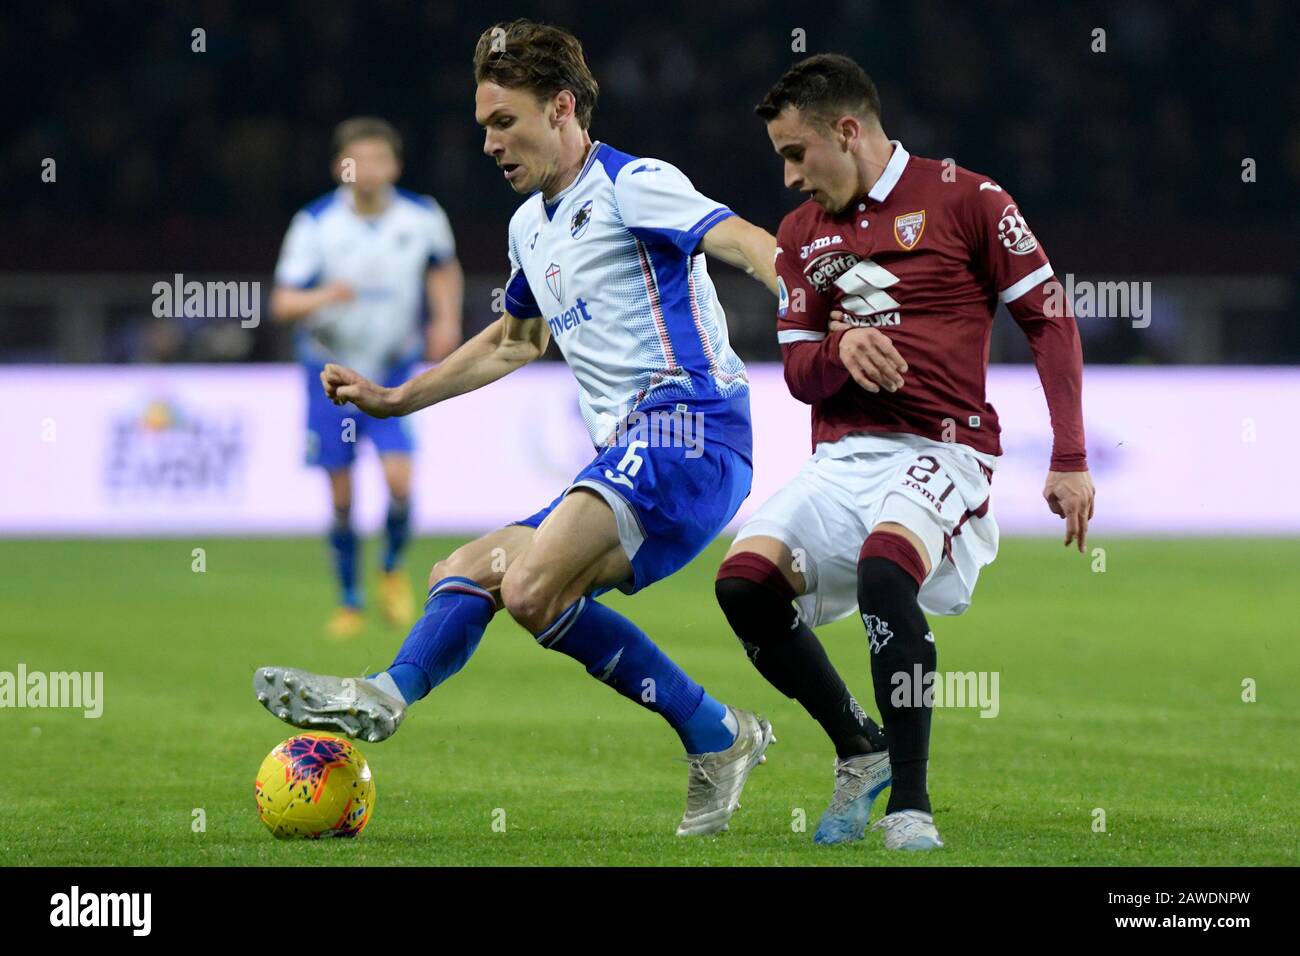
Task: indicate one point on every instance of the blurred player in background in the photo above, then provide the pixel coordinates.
(355, 272)
(889, 276)
(607, 256)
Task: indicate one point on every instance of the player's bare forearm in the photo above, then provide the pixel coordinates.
(445, 284)
(289, 304)
(745, 246)
(505, 345)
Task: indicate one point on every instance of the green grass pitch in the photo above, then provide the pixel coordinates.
(1119, 691)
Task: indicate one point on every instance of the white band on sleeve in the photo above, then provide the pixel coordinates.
(1031, 281)
(786, 336)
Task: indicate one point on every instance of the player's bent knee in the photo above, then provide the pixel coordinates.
(476, 561)
(736, 596)
(753, 593)
(888, 560)
(441, 569)
(458, 564)
(528, 598)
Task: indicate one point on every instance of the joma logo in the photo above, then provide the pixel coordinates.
(821, 243)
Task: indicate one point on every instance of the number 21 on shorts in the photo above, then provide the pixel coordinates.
(920, 474)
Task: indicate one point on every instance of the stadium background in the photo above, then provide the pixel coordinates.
(1128, 165)
(1126, 162)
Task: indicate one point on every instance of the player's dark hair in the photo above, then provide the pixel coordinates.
(825, 86)
(366, 127)
(537, 57)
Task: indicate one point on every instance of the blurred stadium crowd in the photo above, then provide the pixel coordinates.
(1127, 163)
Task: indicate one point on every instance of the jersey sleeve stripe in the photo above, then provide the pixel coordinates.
(1031, 281)
(711, 220)
(786, 336)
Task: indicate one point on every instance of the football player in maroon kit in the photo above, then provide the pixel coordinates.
(889, 278)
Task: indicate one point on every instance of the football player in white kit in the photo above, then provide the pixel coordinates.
(607, 257)
(355, 270)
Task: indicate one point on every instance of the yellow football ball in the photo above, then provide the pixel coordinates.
(315, 785)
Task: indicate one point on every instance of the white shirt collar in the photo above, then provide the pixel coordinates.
(890, 176)
(349, 200)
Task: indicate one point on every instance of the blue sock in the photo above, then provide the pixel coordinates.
(343, 542)
(397, 527)
(706, 730)
(442, 640)
(616, 651)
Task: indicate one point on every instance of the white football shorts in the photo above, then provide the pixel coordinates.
(938, 491)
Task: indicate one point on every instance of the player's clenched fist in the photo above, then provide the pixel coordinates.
(1071, 495)
(869, 356)
(344, 385)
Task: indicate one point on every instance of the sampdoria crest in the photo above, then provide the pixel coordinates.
(581, 220)
(553, 282)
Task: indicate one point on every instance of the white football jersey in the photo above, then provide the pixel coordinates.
(384, 258)
(612, 264)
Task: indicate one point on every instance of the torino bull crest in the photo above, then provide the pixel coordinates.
(908, 228)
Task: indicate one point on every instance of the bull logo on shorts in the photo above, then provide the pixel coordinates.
(878, 632)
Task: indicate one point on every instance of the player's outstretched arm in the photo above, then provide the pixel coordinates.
(745, 246)
(505, 345)
(445, 285)
(289, 304)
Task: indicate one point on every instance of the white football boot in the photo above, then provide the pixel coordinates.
(909, 830)
(715, 781)
(353, 706)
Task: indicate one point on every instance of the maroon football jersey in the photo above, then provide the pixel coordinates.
(924, 257)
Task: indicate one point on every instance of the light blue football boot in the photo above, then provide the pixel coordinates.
(858, 781)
